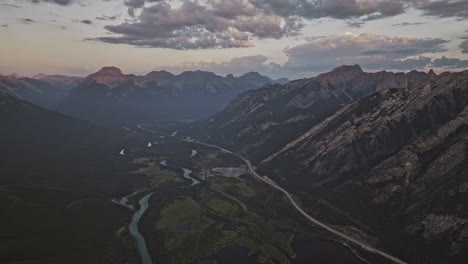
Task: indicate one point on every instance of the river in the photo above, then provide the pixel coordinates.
(141, 243)
(144, 204)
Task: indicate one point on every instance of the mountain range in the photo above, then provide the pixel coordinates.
(380, 156)
(261, 121)
(43, 90)
(111, 97)
(392, 164)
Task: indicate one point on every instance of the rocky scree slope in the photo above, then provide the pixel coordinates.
(393, 165)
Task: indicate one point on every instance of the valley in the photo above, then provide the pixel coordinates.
(226, 199)
(233, 132)
(173, 191)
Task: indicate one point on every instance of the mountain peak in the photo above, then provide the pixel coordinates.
(348, 69)
(110, 70)
(159, 75)
(252, 75)
(342, 73)
(108, 76)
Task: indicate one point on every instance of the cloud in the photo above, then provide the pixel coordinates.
(339, 9)
(405, 24)
(445, 62)
(107, 17)
(27, 20)
(196, 24)
(364, 9)
(86, 21)
(355, 24)
(59, 2)
(10, 5)
(135, 3)
(5, 25)
(443, 8)
(192, 25)
(371, 51)
(464, 46)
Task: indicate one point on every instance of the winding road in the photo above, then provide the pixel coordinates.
(265, 179)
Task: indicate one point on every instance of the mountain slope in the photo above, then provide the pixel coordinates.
(45, 91)
(394, 165)
(57, 175)
(262, 121)
(110, 97)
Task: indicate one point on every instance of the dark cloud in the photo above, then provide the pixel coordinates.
(443, 8)
(355, 24)
(59, 2)
(5, 25)
(192, 25)
(405, 24)
(364, 9)
(135, 3)
(235, 23)
(340, 9)
(106, 17)
(464, 46)
(10, 5)
(27, 20)
(445, 62)
(86, 21)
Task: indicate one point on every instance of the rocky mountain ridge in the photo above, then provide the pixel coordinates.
(392, 164)
(45, 91)
(262, 121)
(111, 97)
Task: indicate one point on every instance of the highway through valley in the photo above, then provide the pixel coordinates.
(267, 180)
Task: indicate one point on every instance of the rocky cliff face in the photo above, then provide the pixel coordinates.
(109, 76)
(393, 164)
(262, 121)
(111, 97)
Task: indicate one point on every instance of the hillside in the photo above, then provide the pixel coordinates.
(57, 175)
(393, 165)
(260, 122)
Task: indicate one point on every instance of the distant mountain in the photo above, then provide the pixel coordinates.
(262, 121)
(111, 97)
(44, 90)
(57, 176)
(392, 165)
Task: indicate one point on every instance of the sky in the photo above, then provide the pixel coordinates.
(278, 38)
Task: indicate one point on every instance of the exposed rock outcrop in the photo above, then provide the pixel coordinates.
(246, 123)
(395, 161)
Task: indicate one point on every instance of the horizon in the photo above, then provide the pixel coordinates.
(75, 38)
(34, 76)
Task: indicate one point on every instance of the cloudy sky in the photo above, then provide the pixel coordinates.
(279, 38)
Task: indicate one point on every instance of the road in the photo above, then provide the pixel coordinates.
(290, 198)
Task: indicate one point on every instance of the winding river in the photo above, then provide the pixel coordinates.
(141, 243)
(144, 204)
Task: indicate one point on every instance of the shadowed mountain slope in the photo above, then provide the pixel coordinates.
(112, 98)
(262, 121)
